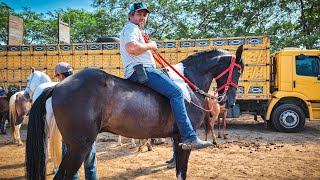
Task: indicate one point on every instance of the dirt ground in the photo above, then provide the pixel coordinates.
(251, 152)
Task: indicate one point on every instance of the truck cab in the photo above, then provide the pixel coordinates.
(294, 88)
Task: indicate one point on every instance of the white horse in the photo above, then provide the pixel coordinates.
(36, 83)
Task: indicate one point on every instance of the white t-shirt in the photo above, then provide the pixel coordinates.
(131, 33)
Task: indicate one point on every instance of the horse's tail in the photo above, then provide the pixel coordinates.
(36, 145)
(55, 144)
(13, 115)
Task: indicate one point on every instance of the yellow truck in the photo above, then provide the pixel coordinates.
(284, 88)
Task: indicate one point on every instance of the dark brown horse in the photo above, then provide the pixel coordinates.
(4, 111)
(93, 101)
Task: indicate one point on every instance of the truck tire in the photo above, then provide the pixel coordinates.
(288, 118)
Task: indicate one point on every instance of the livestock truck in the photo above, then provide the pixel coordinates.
(283, 88)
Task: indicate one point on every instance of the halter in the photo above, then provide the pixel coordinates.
(229, 80)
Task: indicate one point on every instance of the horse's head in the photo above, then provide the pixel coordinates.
(202, 67)
(34, 80)
(228, 77)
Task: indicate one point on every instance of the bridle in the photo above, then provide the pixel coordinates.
(29, 87)
(225, 86)
(229, 80)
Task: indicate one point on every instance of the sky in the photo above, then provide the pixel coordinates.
(43, 6)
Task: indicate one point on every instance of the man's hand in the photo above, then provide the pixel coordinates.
(153, 45)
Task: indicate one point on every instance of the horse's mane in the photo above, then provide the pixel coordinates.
(190, 60)
(44, 76)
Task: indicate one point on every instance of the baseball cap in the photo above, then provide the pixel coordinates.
(62, 67)
(138, 6)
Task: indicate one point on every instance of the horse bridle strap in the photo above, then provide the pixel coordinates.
(229, 80)
(29, 84)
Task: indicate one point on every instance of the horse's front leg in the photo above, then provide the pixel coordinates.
(182, 158)
(224, 120)
(18, 138)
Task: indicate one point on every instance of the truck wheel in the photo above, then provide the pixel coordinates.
(288, 118)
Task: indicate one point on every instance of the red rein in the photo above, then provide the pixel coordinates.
(225, 86)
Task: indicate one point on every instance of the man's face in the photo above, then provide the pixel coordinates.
(139, 18)
(60, 77)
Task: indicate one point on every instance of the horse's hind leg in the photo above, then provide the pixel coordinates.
(72, 161)
(3, 123)
(182, 158)
(214, 141)
(149, 145)
(119, 140)
(133, 143)
(219, 125)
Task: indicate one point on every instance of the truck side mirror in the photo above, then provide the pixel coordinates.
(315, 65)
(318, 77)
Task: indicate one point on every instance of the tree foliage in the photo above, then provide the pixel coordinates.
(293, 23)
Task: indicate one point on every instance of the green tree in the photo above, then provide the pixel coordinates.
(290, 23)
(4, 14)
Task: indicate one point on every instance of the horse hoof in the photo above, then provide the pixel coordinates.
(4, 132)
(20, 143)
(133, 146)
(225, 137)
(150, 149)
(214, 143)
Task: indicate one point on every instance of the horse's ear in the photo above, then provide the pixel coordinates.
(33, 69)
(239, 52)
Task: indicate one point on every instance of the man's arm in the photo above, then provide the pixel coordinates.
(139, 48)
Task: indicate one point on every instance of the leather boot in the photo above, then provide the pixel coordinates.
(170, 161)
(196, 144)
(172, 165)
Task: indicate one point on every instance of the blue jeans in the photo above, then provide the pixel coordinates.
(161, 83)
(90, 166)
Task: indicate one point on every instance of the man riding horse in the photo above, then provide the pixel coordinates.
(139, 66)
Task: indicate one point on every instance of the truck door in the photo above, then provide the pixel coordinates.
(306, 77)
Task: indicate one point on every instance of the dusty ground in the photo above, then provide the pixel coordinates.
(251, 152)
